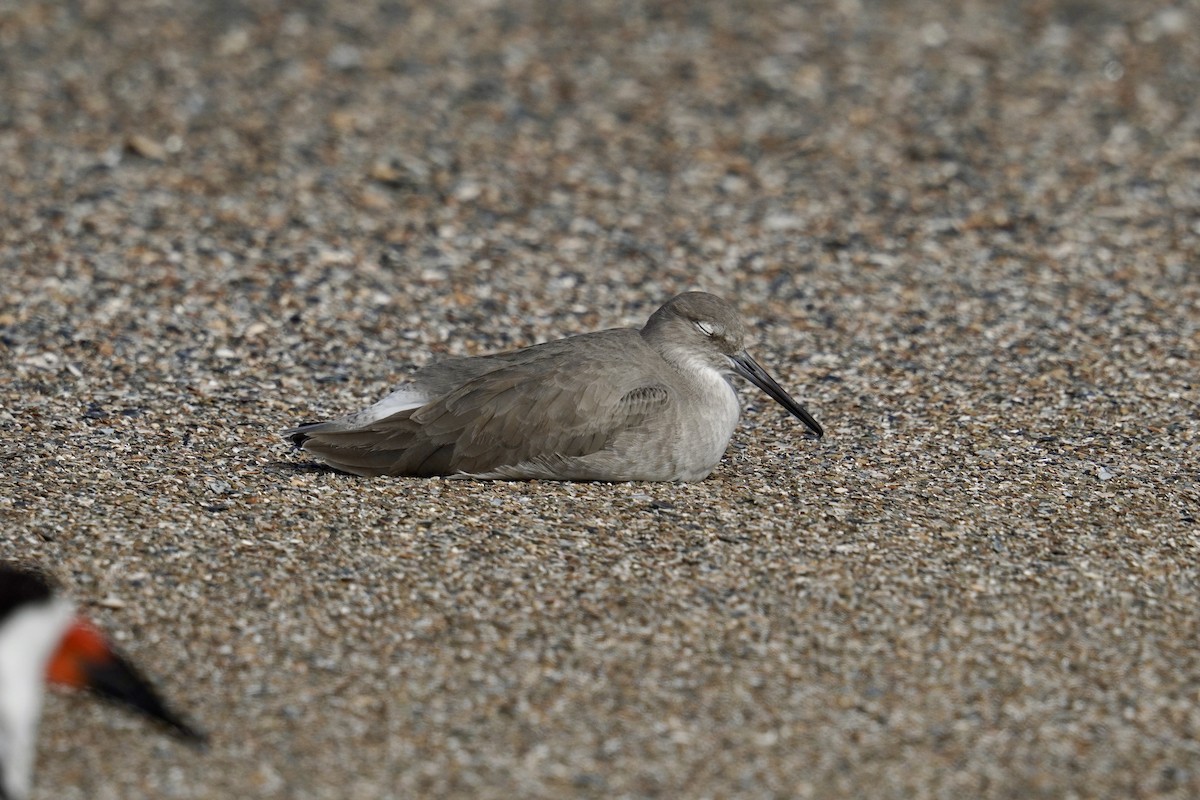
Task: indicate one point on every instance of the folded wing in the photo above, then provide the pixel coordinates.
(510, 415)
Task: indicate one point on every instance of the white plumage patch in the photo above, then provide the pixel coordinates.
(28, 638)
(405, 398)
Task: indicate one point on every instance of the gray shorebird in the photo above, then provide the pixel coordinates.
(43, 640)
(654, 404)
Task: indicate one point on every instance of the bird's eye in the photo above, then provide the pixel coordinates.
(704, 327)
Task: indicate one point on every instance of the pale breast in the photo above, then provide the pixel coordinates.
(707, 417)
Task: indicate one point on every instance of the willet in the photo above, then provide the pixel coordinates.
(616, 405)
(42, 639)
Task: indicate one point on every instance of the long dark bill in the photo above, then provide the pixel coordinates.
(118, 680)
(86, 661)
(749, 369)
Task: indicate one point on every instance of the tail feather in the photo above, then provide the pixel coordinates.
(365, 455)
(301, 433)
(373, 449)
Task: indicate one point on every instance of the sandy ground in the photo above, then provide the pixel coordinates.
(965, 235)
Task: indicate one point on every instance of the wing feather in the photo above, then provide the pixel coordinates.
(512, 415)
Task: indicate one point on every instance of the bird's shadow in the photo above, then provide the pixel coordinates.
(301, 467)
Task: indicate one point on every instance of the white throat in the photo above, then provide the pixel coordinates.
(710, 378)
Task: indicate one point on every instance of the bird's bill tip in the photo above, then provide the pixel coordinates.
(85, 660)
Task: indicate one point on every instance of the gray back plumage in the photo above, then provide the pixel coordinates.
(561, 398)
(622, 404)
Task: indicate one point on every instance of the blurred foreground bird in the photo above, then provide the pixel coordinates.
(43, 640)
